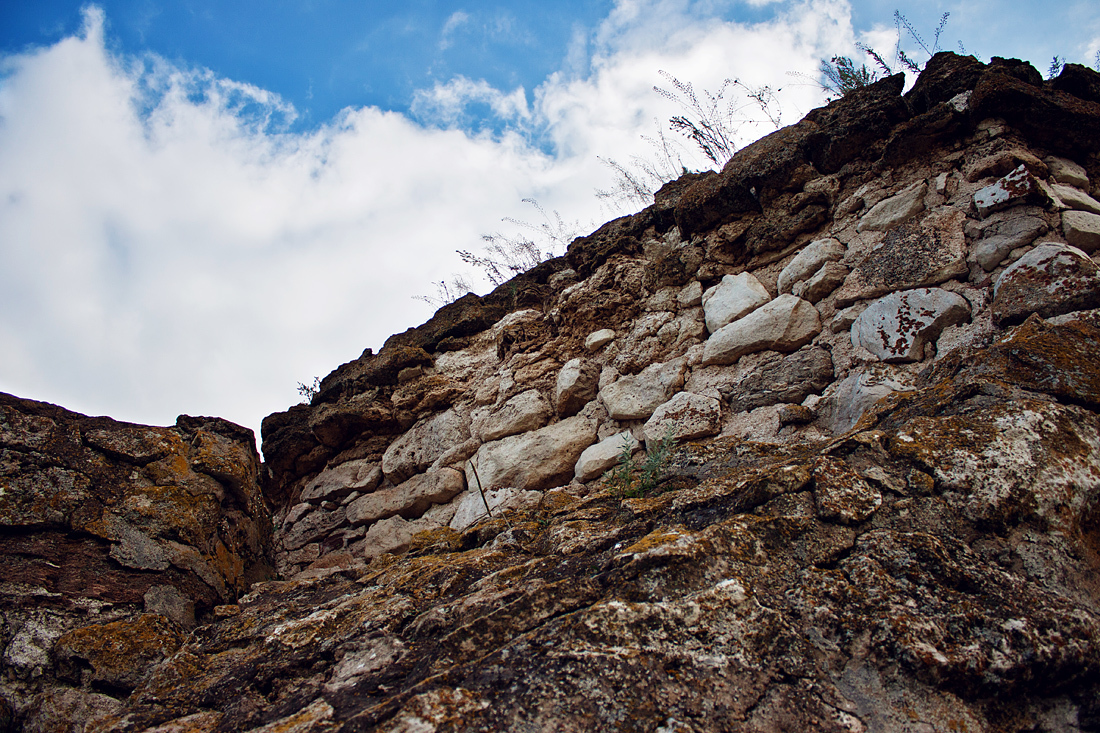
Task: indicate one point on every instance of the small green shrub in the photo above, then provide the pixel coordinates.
(630, 480)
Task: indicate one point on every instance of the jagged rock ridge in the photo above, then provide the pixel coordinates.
(875, 336)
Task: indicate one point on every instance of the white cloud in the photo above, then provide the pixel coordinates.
(456, 20)
(167, 246)
(446, 103)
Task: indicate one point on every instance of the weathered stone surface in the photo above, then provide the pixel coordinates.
(1049, 280)
(796, 415)
(636, 397)
(686, 416)
(526, 411)
(1002, 239)
(1003, 162)
(600, 457)
(393, 535)
(895, 328)
(734, 297)
(784, 324)
(409, 499)
(790, 378)
(313, 526)
(888, 213)
(841, 494)
(852, 396)
(808, 261)
(598, 339)
(577, 385)
(925, 252)
(1076, 199)
(823, 282)
(1082, 229)
(122, 652)
(423, 443)
(1066, 171)
(341, 480)
(472, 505)
(1018, 187)
(532, 461)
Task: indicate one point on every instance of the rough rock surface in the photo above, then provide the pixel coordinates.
(784, 324)
(596, 459)
(1050, 280)
(632, 398)
(836, 544)
(897, 327)
(733, 298)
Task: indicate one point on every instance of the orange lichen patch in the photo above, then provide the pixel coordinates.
(649, 506)
(436, 541)
(1014, 461)
(171, 512)
(172, 469)
(228, 461)
(120, 653)
(743, 490)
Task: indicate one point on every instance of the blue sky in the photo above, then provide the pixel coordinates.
(203, 204)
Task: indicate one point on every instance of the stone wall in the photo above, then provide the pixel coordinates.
(823, 269)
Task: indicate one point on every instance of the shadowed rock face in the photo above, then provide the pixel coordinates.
(883, 514)
(113, 538)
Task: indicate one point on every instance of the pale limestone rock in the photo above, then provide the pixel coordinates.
(470, 507)
(785, 324)
(1066, 171)
(844, 319)
(598, 458)
(534, 460)
(686, 416)
(809, 261)
(409, 499)
(529, 315)
(313, 526)
(1082, 229)
(823, 282)
(393, 535)
(888, 213)
(895, 328)
(1015, 188)
(921, 253)
(845, 401)
(1075, 199)
(337, 481)
(636, 397)
(457, 454)
(441, 514)
(733, 298)
(1050, 280)
(691, 295)
(1004, 238)
(426, 441)
(598, 339)
(526, 411)
(577, 385)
